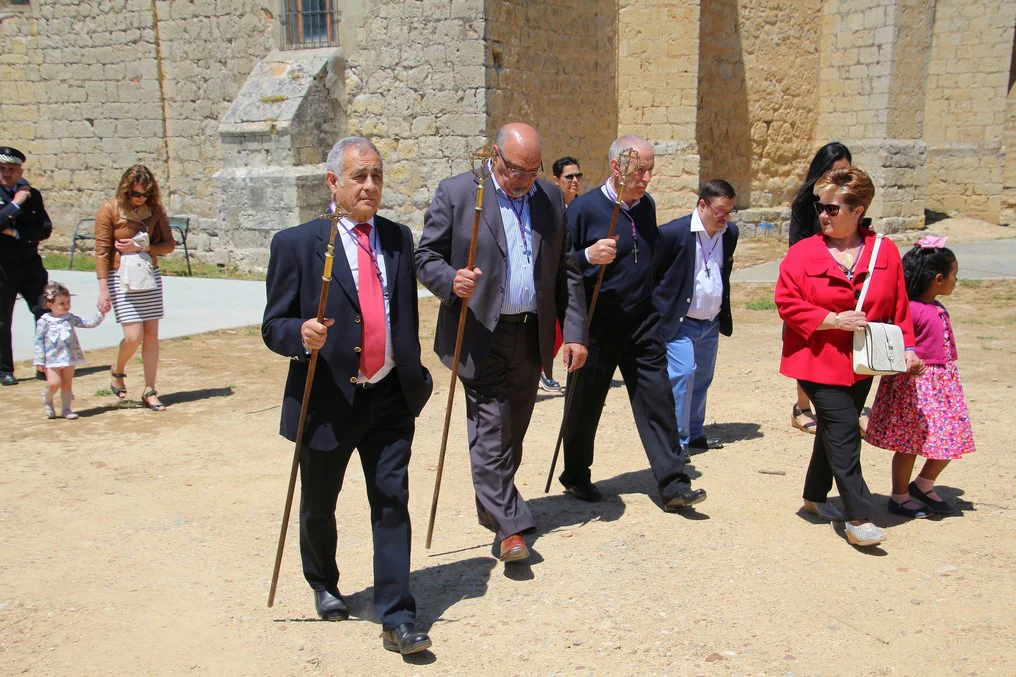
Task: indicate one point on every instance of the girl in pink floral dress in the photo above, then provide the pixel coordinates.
(924, 415)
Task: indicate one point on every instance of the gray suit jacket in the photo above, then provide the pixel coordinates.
(444, 249)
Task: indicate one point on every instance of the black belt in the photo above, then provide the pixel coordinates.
(391, 378)
(519, 318)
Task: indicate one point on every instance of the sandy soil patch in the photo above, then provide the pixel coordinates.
(140, 543)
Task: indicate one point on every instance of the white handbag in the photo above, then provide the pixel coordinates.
(879, 348)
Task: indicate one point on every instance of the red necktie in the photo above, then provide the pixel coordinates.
(372, 305)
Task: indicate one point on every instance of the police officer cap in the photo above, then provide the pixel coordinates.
(11, 156)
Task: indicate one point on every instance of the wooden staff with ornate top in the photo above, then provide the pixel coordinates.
(326, 278)
(480, 171)
(627, 161)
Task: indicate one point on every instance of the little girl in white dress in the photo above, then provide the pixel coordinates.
(57, 348)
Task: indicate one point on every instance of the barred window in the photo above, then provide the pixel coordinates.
(309, 23)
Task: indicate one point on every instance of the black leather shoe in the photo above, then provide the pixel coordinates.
(8, 380)
(584, 492)
(685, 498)
(703, 443)
(40, 375)
(405, 639)
(330, 606)
(940, 507)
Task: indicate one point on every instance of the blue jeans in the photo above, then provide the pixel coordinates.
(691, 359)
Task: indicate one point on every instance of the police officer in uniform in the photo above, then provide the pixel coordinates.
(23, 224)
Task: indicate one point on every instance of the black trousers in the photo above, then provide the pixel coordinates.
(24, 274)
(381, 428)
(499, 406)
(837, 450)
(634, 345)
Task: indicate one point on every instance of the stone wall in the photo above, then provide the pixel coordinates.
(757, 102)
(415, 84)
(658, 93)
(553, 65)
(872, 98)
(968, 80)
(102, 84)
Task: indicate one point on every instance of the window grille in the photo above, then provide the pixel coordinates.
(309, 23)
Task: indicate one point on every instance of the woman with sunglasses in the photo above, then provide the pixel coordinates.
(816, 293)
(804, 223)
(120, 226)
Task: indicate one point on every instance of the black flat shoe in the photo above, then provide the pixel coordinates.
(940, 507)
(330, 606)
(584, 492)
(8, 380)
(684, 498)
(703, 443)
(902, 510)
(405, 639)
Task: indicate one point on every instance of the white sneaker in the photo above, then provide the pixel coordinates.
(548, 384)
(47, 404)
(864, 534)
(825, 510)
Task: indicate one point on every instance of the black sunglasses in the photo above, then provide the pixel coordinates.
(831, 210)
(135, 193)
(572, 176)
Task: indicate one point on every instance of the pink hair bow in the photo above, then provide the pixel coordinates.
(931, 242)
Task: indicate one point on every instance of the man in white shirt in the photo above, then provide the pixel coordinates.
(693, 298)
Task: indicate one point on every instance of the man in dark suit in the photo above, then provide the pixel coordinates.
(521, 284)
(693, 299)
(23, 224)
(369, 384)
(624, 332)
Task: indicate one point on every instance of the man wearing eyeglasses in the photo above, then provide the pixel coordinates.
(23, 224)
(521, 284)
(693, 298)
(625, 330)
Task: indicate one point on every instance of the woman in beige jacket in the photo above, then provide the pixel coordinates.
(132, 222)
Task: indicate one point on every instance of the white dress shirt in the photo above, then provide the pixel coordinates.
(708, 295)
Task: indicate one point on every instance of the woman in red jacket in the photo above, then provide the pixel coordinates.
(816, 293)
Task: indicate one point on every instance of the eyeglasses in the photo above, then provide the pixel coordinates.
(831, 210)
(719, 213)
(575, 176)
(135, 193)
(519, 172)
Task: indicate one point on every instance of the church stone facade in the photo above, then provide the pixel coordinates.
(235, 114)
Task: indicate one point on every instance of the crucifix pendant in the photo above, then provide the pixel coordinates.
(635, 251)
(708, 272)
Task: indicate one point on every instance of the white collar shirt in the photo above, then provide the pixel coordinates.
(351, 248)
(708, 295)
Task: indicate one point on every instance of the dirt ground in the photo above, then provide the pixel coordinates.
(133, 542)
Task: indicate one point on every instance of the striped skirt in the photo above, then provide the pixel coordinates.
(135, 306)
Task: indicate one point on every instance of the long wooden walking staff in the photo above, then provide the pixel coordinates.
(326, 278)
(479, 160)
(627, 161)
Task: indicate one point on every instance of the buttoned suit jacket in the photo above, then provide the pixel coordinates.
(30, 220)
(444, 249)
(676, 268)
(295, 269)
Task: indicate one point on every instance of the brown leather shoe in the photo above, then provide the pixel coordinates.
(513, 549)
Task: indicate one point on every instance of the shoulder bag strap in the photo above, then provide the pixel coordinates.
(871, 272)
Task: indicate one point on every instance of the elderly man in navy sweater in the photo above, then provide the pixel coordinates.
(624, 332)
